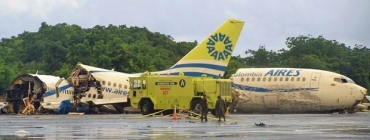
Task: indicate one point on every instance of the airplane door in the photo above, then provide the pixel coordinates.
(315, 80)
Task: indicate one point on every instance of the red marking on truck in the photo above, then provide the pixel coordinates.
(165, 88)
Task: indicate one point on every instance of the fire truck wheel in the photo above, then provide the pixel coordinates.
(146, 107)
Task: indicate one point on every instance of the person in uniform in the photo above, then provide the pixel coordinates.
(220, 108)
(204, 105)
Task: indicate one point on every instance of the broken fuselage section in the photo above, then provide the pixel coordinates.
(29, 89)
(101, 89)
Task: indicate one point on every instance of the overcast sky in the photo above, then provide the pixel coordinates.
(267, 22)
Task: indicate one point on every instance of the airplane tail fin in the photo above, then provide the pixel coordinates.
(212, 55)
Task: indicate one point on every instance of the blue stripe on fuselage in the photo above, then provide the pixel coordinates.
(193, 74)
(52, 92)
(201, 65)
(258, 89)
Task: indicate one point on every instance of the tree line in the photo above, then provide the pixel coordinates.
(56, 49)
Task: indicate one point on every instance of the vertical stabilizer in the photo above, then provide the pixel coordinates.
(212, 55)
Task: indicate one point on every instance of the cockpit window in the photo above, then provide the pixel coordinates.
(350, 81)
(342, 80)
(337, 80)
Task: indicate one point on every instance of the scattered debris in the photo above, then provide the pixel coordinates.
(260, 124)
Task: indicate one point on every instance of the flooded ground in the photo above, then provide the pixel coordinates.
(287, 126)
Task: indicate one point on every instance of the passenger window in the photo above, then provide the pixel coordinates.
(264, 79)
(292, 79)
(269, 78)
(258, 79)
(287, 79)
(275, 79)
(253, 79)
(114, 84)
(103, 82)
(304, 79)
(109, 83)
(281, 78)
(125, 87)
(247, 79)
(242, 79)
(120, 85)
(89, 95)
(298, 78)
(94, 95)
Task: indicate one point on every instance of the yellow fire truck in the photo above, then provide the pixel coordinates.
(152, 93)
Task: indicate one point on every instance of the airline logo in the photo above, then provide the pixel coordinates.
(283, 72)
(219, 46)
(273, 72)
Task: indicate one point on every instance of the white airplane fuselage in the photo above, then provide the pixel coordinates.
(293, 90)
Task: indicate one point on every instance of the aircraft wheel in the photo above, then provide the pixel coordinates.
(146, 107)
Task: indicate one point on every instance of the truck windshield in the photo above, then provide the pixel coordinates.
(135, 84)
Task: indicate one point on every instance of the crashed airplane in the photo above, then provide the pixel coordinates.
(108, 89)
(294, 90)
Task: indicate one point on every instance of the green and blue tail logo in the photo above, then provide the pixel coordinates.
(213, 54)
